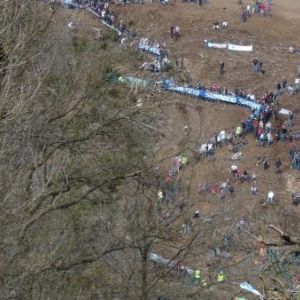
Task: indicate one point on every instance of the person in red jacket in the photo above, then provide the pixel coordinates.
(262, 9)
(255, 123)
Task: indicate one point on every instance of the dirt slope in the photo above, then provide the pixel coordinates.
(270, 37)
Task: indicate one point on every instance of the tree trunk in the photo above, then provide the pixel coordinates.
(144, 283)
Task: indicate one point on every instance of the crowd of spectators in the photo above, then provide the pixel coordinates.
(295, 150)
(259, 7)
(266, 98)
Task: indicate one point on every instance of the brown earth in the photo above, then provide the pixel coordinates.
(270, 37)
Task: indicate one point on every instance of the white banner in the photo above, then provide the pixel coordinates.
(285, 111)
(239, 48)
(216, 45)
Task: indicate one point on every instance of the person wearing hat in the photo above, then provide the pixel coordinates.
(221, 276)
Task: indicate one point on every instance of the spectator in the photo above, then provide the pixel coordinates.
(221, 277)
(222, 67)
(284, 83)
(197, 276)
(177, 32)
(255, 65)
(260, 67)
(265, 163)
(216, 26)
(270, 138)
(297, 84)
(253, 190)
(296, 198)
(71, 27)
(248, 11)
(196, 214)
(270, 197)
(172, 31)
(278, 165)
(289, 122)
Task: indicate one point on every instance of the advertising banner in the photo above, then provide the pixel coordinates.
(152, 50)
(212, 96)
(239, 48)
(285, 111)
(137, 81)
(216, 45)
(231, 47)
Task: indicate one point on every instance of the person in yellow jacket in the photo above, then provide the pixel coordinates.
(121, 79)
(221, 276)
(238, 131)
(197, 276)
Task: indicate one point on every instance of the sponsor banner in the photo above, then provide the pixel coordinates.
(152, 50)
(239, 48)
(137, 81)
(207, 95)
(285, 111)
(182, 90)
(250, 104)
(231, 47)
(216, 45)
(219, 97)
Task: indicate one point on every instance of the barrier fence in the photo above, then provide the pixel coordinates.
(102, 21)
(169, 85)
(149, 49)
